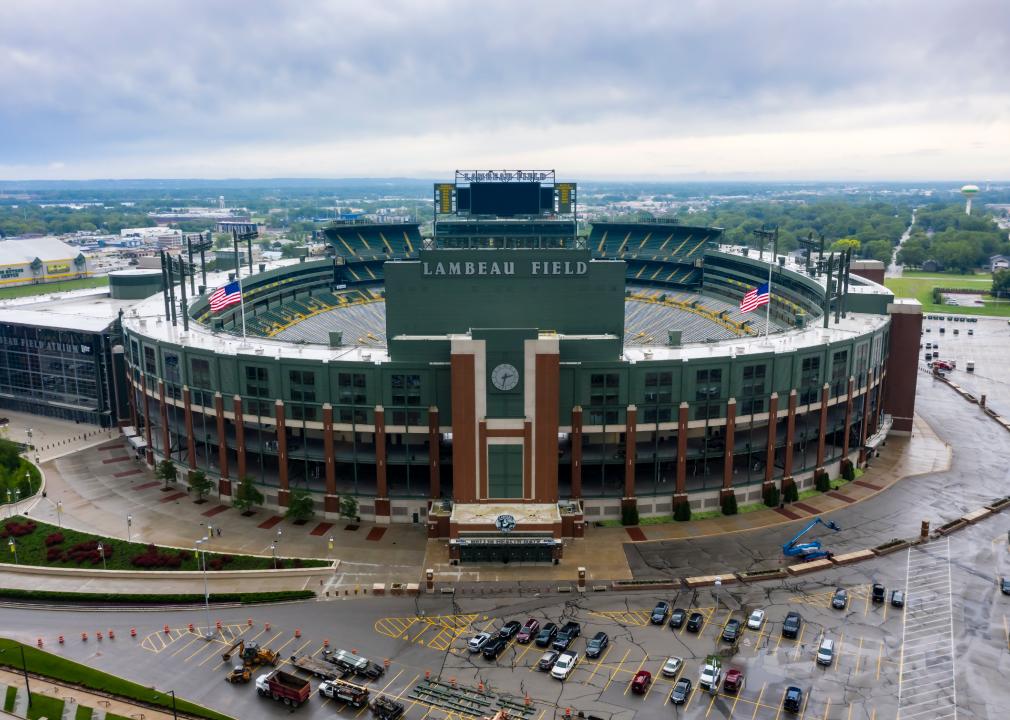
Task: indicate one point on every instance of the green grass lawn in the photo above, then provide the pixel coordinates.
(68, 671)
(919, 285)
(45, 288)
(32, 550)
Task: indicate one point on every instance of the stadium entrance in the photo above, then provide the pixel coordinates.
(532, 548)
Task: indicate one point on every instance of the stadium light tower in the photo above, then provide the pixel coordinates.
(969, 191)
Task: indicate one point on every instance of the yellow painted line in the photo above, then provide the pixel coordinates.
(614, 674)
(298, 651)
(799, 643)
(531, 644)
(859, 657)
(599, 663)
(778, 712)
(803, 710)
(735, 701)
(866, 602)
(627, 689)
(379, 692)
(193, 640)
(838, 651)
(214, 646)
(880, 657)
(267, 644)
(758, 703)
(711, 703)
(849, 716)
(690, 698)
(778, 641)
(886, 604)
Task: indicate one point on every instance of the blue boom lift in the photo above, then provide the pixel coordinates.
(810, 550)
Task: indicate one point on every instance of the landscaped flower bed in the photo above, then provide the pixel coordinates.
(39, 543)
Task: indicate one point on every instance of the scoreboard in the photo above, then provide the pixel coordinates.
(505, 193)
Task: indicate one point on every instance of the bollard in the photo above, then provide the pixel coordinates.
(298, 632)
(527, 701)
(249, 622)
(427, 674)
(167, 630)
(98, 634)
(218, 624)
(191, 627)
(266, 626)
(326, 642)
(924, 529)
(452, 681)
(39, 642)
(385, 663)
(133, 632)
(354, 651)
(112, 634)
(480, 686)
(60, 640)
(84, 636)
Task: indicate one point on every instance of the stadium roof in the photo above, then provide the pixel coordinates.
(90, 310)
(46, 249)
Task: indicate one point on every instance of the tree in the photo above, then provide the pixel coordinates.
(247, 496)
(349, 507)
(879, 250)
(200, 484)
(1001, 283)
(301, 507)
(845, 244)
(166, 472)
(912, 254)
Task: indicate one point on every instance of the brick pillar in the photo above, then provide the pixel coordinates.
(773, 426)
(331, 501)
(382, 510)
(147, 420)
(434, 467)
(881, 385)
(166, 436)
(823, 427)
(902, 362)
(727, 462)
(787, 471)
(133, 401)
(848, 416)
(577, 452)
(631, 419)
(190, 441)
(240, 470)
(224, 485)
(680, 489)
(866, 417)
(283, 492)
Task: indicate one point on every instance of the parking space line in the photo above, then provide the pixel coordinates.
(758, 703)
(838, 652)
(599, 663)
(880, 657)
(827, 709)
(799, 641)
(711, 703)
(614, 673)
(636, 673)
(193, 640)
(297, 652)
(779, 711)
(859, 655)
(380, 692)
(529, 646)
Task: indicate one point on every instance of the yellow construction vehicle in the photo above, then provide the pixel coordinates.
(251, 654)
(239, 674)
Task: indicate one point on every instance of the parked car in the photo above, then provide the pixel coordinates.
(897, 598)
(734, 680)
(695, 621)
(1004, 586)
(597, 644)
(478, 641)
(509, 629)
(564, 665)
(731, 632)
(528, 631)
(547, 660)
(672, 666)
(756, 620)
(840, 599)
(641, 682)
(493, 647)
(568, 632)
(792, 624)
(826, 652)
(711, 674)
(681, 691)
(660, 612)
(878, 593)
(793, 699)
(547, 634)
(677, 618)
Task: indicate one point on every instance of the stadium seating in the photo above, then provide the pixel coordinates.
(659, 241)
(373, 241)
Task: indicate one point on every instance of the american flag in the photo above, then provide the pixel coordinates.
(755, 298)
(225, 296)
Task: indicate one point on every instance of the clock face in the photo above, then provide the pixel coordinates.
(505, 377)
(505, 523)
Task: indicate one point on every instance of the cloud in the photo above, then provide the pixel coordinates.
(201, 88)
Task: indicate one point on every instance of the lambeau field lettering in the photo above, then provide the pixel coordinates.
(537, 268)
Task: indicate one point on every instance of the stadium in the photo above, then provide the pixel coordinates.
(507, 380)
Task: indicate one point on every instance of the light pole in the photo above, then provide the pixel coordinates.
(24, 668)
(273, 551)
(8, 502)
(210, 533)
(101, 551)
(718, 584)
(14, 549)
(59, 513)
(206, 592)
(129, 524)
(330, 543)
(175, 715)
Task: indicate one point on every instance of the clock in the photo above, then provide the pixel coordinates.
(505, 523)
(505, 377)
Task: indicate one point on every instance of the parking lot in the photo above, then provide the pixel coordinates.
(946, 649)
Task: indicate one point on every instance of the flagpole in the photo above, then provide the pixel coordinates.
(241, 303)
(768, 306)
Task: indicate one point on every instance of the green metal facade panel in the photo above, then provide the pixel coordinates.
(505, 471)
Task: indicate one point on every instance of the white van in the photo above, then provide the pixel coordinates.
(826, 652)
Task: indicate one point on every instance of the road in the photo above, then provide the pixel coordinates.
(894, 269)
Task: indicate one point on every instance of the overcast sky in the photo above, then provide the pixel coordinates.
(670, 89)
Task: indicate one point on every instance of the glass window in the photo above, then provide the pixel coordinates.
(257, 381)
(659, 387)
(810, 380)
(150, 364)
(708, 384)
(839, 372)
(303, 385)
(752, 390)
(173, 374)
(200, 373)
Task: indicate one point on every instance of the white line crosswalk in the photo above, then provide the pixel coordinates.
(926, 681)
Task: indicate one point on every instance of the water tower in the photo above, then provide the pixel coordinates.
(968, 191)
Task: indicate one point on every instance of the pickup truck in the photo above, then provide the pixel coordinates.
(566, 635)
(349, 663)
(320, 669)
(280, 685)
(353, 695)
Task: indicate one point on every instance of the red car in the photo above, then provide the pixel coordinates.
(643, 678)
(528, 631)
(733, 681)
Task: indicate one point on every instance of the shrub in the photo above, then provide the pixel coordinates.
(772, 496)
(200, 484)
(349, 507)
(301, 507)
(629, 515)
(246, 495)
(167, 472)
(54, 553)
(18, 529)
(729, 504)
(682, 511)
(54, 539)
(152, 558)
(848, 471)
(821, 481)
(789, 491)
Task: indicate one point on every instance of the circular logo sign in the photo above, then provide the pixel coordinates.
(505, 523)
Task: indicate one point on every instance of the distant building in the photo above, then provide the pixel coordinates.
(999, 262)
(932, 266)
(157, 237)
(40, 260)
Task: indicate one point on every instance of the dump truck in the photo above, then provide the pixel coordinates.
(353, 695)
(251, 654)
(279, 685)
(320, 669)
(351, 664)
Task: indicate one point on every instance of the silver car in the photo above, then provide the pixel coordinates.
(672, 666)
